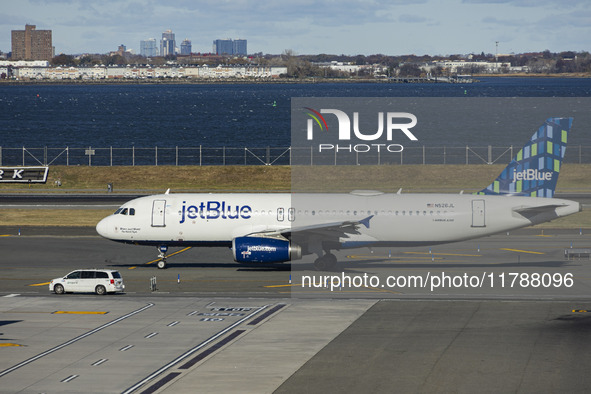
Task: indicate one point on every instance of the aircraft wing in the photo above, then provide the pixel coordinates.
(322, 231)
(332, 230)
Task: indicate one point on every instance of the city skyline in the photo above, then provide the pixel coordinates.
(348, 27)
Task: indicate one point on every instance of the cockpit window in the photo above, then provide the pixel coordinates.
(125, 211)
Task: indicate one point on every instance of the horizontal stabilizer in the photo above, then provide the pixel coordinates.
(531, 212)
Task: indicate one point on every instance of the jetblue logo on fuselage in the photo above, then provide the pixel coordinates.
(214, 210)
(531, 175)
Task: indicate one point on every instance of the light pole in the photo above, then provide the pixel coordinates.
(497, 55)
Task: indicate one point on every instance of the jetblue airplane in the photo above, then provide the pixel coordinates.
(274, 228)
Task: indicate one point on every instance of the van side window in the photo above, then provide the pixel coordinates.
(102, 275)
(87, 275)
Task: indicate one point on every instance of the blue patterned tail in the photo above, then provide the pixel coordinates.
(534, 171)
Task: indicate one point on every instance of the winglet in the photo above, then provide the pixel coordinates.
(365, 221)
(534, 171)
(167, 191)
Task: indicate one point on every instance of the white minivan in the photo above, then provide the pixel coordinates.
(99, 281)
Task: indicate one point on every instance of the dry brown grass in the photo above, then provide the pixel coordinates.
(52, 217)
(388, 178)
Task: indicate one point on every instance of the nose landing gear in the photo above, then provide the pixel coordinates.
(162, 255)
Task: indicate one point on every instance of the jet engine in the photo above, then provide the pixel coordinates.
(264, 250)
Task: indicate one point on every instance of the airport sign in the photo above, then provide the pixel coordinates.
(23, 174)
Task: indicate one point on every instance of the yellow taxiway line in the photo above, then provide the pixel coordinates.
(78, 313)
(522, 251)
(40, 284)
(156, 260)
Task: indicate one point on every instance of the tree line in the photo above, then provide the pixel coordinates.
(299, 66)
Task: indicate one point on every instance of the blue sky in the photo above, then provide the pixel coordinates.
(350, 27)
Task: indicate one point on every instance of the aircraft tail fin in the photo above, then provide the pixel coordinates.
(534, 170)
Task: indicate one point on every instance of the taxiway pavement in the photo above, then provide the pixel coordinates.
(215, 325)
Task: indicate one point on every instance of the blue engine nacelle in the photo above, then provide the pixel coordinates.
(264, 250)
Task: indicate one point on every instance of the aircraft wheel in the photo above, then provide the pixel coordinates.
(331, 261)
(320, 264)
(162, 264)
(326, 262)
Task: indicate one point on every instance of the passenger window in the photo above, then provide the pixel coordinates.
(87, 275)
(279, 214)
(291, 214)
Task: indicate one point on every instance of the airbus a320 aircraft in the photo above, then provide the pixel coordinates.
(274, 228)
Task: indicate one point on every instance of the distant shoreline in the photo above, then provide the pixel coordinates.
(194, 81)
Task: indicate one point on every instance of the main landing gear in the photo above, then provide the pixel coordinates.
(326, 262)
(162, 255)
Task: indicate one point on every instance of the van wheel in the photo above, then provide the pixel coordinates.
(100, 290)
(58, 289)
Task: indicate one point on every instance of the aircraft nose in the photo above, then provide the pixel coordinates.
(102, 228)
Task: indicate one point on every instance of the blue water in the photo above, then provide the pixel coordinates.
(252, 115)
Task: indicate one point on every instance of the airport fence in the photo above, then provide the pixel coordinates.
(207, 156)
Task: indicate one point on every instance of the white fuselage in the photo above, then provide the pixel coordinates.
(393, 219)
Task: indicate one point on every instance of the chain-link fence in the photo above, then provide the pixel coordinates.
(206, 156)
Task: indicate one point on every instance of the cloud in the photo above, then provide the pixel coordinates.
(516, 23)
(407, 18)
(557, 4)
(307, 26)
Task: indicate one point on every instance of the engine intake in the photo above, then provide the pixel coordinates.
(264, 250)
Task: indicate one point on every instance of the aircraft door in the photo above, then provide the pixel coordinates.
(158, 210)
(478, 213)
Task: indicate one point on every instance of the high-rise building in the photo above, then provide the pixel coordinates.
(229, 47)
(186, 47)
(149, 48)
(223, 47)
(167, 44)
(31, 44)
(240, 47)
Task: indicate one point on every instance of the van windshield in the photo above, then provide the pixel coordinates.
(73, 275)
